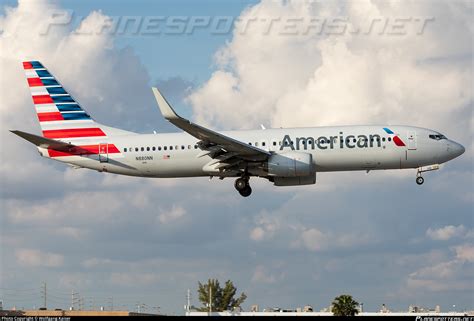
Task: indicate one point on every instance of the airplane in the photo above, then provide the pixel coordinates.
(283, 156)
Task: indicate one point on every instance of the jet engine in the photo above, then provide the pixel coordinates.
(291, 168)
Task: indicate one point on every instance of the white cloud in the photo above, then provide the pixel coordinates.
(261, 275)
(456, 273)
(172, 214)
(72, 232)
(257, 234)
(284, 227)
(310, 80)
(445, 233)
(94, 262)
(85, 64)
(470, 234)
(437, 286)
(465, 252)
(267, 224)
(314, 239)
(75, 280)
(36, 258)
(441, 270)
(72, 208)
(133, 279)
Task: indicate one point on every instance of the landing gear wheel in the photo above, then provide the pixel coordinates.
(420, 180)
(241, 183)
(246, 191)
(242, 186)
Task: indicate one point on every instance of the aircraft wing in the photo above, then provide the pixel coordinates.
(216, 145)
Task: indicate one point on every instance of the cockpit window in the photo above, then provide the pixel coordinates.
(437, 137)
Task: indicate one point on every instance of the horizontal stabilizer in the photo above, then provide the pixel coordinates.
(43, 142)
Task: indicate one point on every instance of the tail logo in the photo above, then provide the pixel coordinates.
(60, 116)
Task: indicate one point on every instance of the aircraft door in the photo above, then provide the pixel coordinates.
(411, 140)
(103, 152)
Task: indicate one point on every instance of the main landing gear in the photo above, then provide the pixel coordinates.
(242, 186)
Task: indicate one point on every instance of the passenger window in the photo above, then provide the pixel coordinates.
(171, 147)
(176, 147)
(165, 147)
(153, 148)
(274, 143)
(195, 146)
(250, 144)
(143, 149)
(182, 147)
(189, 146)
(354, 140)
(383, 139)
(159, 147)
(263, 143)
(125, 150)
(256, 144)
(148, 149)
(136, 149)
(390, 139)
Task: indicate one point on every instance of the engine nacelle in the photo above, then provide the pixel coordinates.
(294, 181)
(291, 164)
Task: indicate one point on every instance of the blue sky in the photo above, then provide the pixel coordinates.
(377, 236)
(190, 56)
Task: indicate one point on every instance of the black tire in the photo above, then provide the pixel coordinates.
(240, 184)
(246, 191)
(420, 180)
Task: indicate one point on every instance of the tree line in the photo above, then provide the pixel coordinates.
(217, 298)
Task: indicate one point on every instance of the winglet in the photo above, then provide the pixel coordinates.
(165, 107)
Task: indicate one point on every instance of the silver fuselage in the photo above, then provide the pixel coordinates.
(337, 148)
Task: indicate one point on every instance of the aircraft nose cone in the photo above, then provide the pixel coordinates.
(457, 149)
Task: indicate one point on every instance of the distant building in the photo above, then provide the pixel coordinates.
(384, 309)
(308, 308)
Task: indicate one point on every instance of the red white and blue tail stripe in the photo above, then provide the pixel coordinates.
(59, 114)
(62, 118)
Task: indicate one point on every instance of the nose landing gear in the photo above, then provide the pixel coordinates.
(420, 180)
(242, 186)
